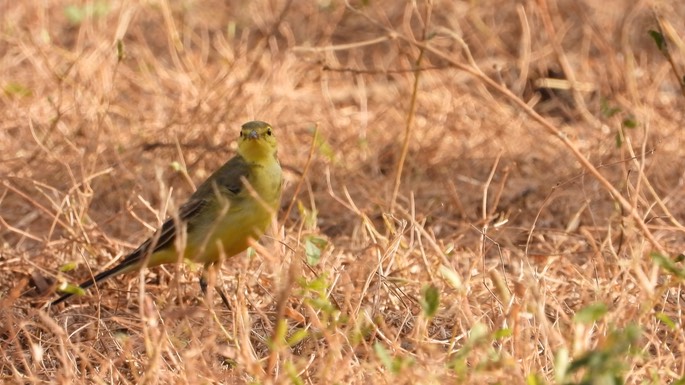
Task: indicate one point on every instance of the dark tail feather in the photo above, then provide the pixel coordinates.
(162, 239)
(98, 278)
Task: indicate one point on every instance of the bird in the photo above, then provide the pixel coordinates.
(230, 209)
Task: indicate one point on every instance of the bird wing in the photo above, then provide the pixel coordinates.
(166, 235)
(227, 181)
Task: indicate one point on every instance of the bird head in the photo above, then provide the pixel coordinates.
(256, 141)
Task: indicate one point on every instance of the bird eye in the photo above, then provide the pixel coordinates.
(268, 132)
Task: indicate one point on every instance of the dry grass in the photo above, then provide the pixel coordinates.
(533, 213)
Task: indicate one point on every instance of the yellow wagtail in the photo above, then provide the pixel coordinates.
(233, 206)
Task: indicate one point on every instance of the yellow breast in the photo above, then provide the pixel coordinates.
(245, 219)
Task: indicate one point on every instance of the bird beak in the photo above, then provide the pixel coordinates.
(253, 135)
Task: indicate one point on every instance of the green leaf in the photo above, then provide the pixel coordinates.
(100, 8)
(608, 361)
(121, 54)
(279, 334)
(606, 109)
(658, 39)
(430, 300)
(297, 337)
(16, 89)
(534, 379)
(477, 333)
(666, 320)
(309, 216)
(451, 277)
(383, 355)
(629, 122)
(502, 333)
(318, 285)
(75, 14)
(323, 304)
(591, 313)
(176, 166)
(68, 288)
(561, 364)
(313, 247)
(668, 265)
(393, 364)
(293, 373)
(69, 266)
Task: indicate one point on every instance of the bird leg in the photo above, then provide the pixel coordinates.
(204, 283)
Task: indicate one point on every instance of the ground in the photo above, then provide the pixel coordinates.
(479, 192)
